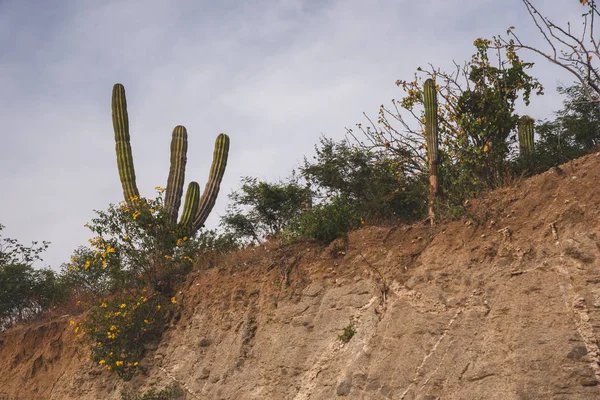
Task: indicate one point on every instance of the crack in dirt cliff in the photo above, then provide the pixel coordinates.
(413, 381)
(576, 303)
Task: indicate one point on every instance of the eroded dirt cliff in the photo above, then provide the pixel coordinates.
(502, 304)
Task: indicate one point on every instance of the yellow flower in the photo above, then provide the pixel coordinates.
(87, 265)
(102, 362)
(110, 249)
(167, 257)
(125, 237)
(173, 300)
(123, 305)
(135, 364)
(146, 321)
(136, 214)
(119, 363)
(158, 307)
(113, 327)
(103, 305)
(71, 322)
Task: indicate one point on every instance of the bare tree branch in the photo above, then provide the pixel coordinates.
(566, 50)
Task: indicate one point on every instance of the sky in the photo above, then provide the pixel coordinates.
(274, 75)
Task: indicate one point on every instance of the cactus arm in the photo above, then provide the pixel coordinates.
(211, 190)
(190, 206)
(431, 136)
(123, 146)
(176, 178)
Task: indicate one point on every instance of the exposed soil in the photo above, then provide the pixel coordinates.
(501, 304)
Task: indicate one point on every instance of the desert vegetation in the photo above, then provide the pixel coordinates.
(448, 137)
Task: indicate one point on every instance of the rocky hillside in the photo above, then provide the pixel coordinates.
(502, 304)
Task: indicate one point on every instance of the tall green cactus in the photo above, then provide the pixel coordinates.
(123, 147)
(525, 132)
(431, 136)
(196, 208)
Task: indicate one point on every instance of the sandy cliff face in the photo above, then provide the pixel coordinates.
(504, 304)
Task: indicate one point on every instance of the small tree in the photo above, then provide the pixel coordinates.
(260, 209)
(368, 179)
(24, 291)
(476, 114)
(574, 132)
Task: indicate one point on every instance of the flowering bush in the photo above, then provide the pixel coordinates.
(134, 246)
(131, 268)
(120, 328)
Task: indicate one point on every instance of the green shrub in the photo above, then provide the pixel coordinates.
(212, 242)
(261, 209)
(348, 333)
(372, 181)
(326, 222)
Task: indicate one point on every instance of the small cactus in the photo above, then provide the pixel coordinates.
(192, 196)
(196, 208)
(525, 132)
(431, 136)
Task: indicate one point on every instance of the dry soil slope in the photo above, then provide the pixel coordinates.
(503, 304)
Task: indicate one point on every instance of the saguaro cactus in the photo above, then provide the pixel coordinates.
(525, 131)
(196, 208)
(431, 136)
